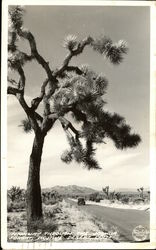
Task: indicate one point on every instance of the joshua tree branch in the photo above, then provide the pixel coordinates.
(28, 36)
(38, 117)
(23, 103)
(72, 53)
(68, 125)
(22, 79)
(20, 85)
(19, 93)
(51, 79)
(48, 122)
(82, 116)
(36, 101)
(13, 91)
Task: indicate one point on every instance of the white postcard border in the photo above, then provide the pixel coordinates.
(152, 243)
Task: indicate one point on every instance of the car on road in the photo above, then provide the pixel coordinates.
(81, 201)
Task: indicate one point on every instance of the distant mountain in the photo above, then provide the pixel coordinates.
(71, 190)
(78, 190)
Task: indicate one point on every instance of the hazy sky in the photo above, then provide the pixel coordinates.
(128, 95)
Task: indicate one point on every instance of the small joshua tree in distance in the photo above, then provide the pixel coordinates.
(75, 89)
(141, 191)
(14, 193)
(106, 191)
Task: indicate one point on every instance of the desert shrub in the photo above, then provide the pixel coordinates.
(111, 195)
(8, 218)
(51, 198)
(44, 226)
(57, 210)
(18, 206)
(24, 216)
(50, 213)
(54, 209)
(95, 197)
(98, 199)
(9, 207)
(49, 202)
(125, 200)
(47, 226)
(15, 222)
(146, 200)
(15, 206)
(118, 196)
(138, 201)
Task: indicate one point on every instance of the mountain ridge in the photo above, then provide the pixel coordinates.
(78, 190)
(71, 189)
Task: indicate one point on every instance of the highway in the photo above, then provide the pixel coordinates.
(124, 219)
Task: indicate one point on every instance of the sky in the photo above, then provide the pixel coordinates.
(127, 94)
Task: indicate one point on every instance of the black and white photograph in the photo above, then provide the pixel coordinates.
(77, 96)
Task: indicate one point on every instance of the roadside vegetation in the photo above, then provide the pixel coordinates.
(62, 221)
(118, 199)
(66, 220)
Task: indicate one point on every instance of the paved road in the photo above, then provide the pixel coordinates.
(125, 219)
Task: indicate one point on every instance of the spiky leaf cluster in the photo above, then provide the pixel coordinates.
(80, 89)
(80, 154)
(67, 156)
(17, 59)
(111, 126)
(15, 21)
(93, 133)
(114, 52)
(103, 125)
(16, 17)
(14, 193)
(83, 95)
(26, 125)
(70, 42)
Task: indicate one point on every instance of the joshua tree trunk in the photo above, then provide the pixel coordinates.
(34, 201)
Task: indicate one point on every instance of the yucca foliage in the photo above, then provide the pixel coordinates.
(14, 193)
(26, 125)
(83, 96)
(141, 191)
(106, 190)
(114, 52)
(70, 42)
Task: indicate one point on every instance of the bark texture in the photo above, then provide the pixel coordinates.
(34, 200)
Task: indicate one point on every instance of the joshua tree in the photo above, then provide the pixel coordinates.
(141, 191)
(77, 90)
(106, 190)
(14, 193)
